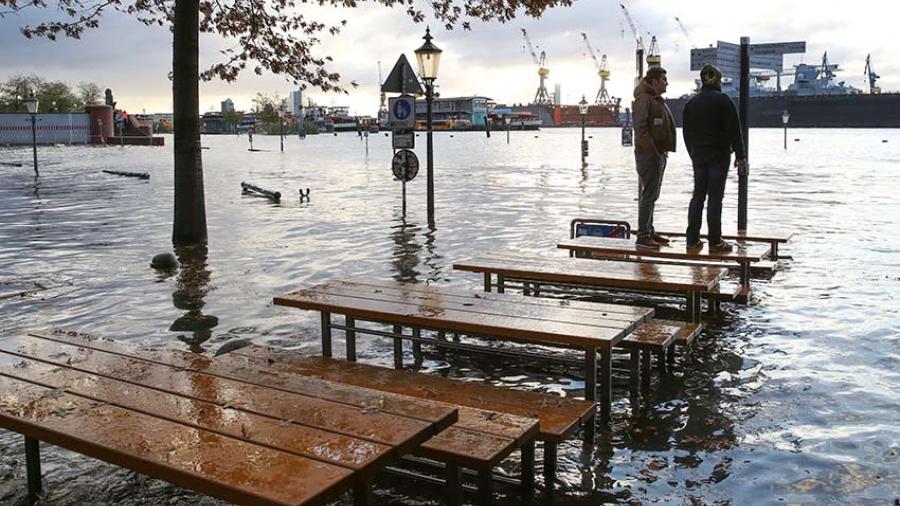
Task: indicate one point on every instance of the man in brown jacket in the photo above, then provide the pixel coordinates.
(654, 138)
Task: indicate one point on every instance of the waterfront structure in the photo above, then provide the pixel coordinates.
(463, 112)
(296, 103)
(227, 106)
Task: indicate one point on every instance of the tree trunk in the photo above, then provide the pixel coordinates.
(190, 210)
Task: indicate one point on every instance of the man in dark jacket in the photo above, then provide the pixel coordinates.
(712, 130)
(654, 138)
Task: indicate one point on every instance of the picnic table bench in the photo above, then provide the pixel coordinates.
(557, 418)
(241, 433)
(582, 326)
(692, 281)
(743, 254)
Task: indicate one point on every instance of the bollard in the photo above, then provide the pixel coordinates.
(250, 188)
(304, 195)
(139, 175)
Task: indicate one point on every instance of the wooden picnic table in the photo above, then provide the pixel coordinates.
(584, 326)
(693, 281)
(744, 253)
(244, 434)
(773, 239)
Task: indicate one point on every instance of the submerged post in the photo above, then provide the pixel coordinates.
(745, 133)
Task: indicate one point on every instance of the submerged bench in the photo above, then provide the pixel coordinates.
(581, 326)
(556, 418)
(692, 281)
(247, 435)
(773, 239)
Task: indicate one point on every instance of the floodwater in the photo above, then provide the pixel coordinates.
(794, 399)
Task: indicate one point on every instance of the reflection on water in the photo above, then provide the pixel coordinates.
(793, 399)
(190, 289)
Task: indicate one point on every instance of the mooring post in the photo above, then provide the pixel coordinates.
(745, 133)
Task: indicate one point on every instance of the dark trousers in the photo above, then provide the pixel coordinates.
(650, 170)
(709, 181)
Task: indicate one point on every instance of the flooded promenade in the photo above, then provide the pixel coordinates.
(793, 399)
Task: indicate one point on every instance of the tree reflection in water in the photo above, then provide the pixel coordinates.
(191, 287)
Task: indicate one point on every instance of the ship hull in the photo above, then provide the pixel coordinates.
(820, 111)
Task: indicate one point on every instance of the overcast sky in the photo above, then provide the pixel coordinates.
(489, 60)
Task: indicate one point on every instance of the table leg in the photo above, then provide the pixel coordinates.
(398, 347)
(33, 467)
(526, 288)
(326, 334)
(417, 347)
(745, 274)
(590, 374)
(527, 478)
(454, 484)
(635, 366)
(362, 494)
(605, 384)
(487, 281)
(485, 493)
(350, 333)
(549, 468)
(501, 284)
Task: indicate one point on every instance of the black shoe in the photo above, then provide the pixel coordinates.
(721, 247)
(660, 239)
(695, 245)
(646, 242)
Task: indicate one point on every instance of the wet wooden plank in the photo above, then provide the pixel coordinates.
(770, 236)
(606, 245)
(632, 275)
(433, 316)
(581, 308)
(317, 444)
(467, 448)
(471, 303)
(558, 416)
(227, 367)
(195, 459)
(653, 336)
(370, 423)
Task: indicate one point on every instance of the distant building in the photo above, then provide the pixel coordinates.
(227, 106)
(557, 94)
(473, 110)
(296, 103)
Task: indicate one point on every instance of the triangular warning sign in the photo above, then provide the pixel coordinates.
(402, 79)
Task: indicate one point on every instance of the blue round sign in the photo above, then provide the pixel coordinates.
(402, 109)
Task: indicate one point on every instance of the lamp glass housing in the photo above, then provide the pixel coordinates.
(428, 57)
(785, 117)
(583, 106)
(31, 102)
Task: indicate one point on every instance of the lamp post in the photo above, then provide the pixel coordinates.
(32, 103)
(785, 117)
(429, 56)
(507, 120)
(583, 110)
(281, 127)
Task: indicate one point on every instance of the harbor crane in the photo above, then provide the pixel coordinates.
(653, 57)
(541, 97)
(382, 106)
(602, 71)
(871, 76)
(684, 31)
(639, 45)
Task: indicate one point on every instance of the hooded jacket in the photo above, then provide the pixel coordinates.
(712, 129)
(654, 129)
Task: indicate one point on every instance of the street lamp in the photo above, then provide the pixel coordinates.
(281, 126)
(785, 117)
(583, 110)
(32, 103)
(429, 56)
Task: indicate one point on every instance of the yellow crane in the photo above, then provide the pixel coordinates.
(602, 71)
(639, 46)
(541, 97)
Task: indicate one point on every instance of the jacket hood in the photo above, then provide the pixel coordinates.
(644, 88)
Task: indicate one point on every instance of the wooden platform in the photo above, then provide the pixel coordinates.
(137, 409)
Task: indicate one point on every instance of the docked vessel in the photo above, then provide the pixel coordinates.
(813, 100)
